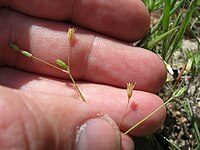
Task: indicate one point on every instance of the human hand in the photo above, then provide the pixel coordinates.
(45, 111)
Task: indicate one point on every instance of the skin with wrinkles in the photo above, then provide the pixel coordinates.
(39, 107)
(89, 50)
(121, 20)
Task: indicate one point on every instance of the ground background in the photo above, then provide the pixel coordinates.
(181, 128)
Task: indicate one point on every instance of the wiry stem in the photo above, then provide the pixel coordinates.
(76, 86)
(176, 94)
(59, 62)
(49, 64)
(156, 110)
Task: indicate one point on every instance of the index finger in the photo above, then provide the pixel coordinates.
(125, 20)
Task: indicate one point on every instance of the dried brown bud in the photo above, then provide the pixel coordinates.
(130, 87)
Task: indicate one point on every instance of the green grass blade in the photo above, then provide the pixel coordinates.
(158, 5)
(195, 36)
(173, 3)
(172, 38)
(166, 15)
(165, 25)
(143, 42)
(152, 5)
(182, 30)
(194, 123)
(153, 43)
(175, 147)
(176, 7)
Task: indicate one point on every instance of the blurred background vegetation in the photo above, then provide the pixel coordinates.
(175, 36)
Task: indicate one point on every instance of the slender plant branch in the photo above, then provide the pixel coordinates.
(64, 68)
(175, 95)
(145, 118)
(76, 86)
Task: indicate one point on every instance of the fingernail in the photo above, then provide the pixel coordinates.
(98, 133)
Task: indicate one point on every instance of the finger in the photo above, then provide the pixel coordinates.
(106, 99)
(93, 58)
(125, 20)
(48, 122)
(127, 143)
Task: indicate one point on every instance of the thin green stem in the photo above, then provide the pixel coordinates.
(49, 64)
(65, 71)
(59, 62)
(76, 86)
(170, 142)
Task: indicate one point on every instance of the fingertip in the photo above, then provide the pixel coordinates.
(142, 110)
(127, 143)
(158, 73)
(150, 72)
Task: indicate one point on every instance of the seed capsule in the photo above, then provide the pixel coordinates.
(70, 33)
(130, 87)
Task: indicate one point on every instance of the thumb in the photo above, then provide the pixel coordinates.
(38, 121)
